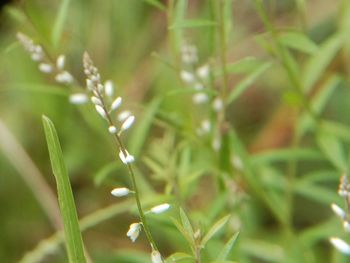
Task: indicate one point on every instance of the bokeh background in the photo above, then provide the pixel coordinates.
(126, 39)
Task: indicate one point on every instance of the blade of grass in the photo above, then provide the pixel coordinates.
(59, 23)
(227, 248)
(72, 233)
(214, 229)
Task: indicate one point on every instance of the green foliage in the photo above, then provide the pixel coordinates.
(241, 127)
(74, 243)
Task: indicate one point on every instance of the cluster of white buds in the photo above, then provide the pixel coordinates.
(45, 65)
(194, 76)
(105, 103)
(344, 215)
(135, 228)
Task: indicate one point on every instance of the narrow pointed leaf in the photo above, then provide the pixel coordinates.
(74, 243)
(214, 229)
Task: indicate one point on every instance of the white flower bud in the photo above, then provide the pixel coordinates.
(123, 115)
(156, 257)
(119, 192)
(64, 77)
(203, 71)
(126, 159)
(109, 88)
(60, 62)
(218, 104)
(112, 129)
(200, 98)
(160, 208)
(134, 231)
(127, 123)
(36, 56)
(45, 67)
(338, 211)
(89, 84)
(340, 245)
(96, 101)
(101, 111)
(78, 98)
(187, 77)
(346, 226)
(116, 103)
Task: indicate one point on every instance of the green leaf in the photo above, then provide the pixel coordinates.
(227, 248)
(318, 63)
(214, 229)
(59, 23)
(245, 65)
(333, 149)
(186, 224)
(316, 193)
(178, 257)
(72, 233)
(280, 155)
(190, 23)
(298, 41)
(156, 3)
(246, 82)
(263, 250)
(318, 103)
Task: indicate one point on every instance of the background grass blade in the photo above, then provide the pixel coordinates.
(59, 23)
(72, 233)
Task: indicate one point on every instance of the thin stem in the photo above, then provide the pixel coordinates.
(120, 144)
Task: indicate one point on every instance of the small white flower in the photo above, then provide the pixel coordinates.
(123, 115)
(100, 111)
(160, 208)
(134, 231)
(119, 192)
(60, 62)
(96, 101)
(200, 98)
(109, 88)
(78, 98)
(45, 67)
(237, 162)
(36, 56)
(338, 211)
(127, 123)
(218, 104)
(126, 159)
(340, 245)
(346, 226)
(112, 129)
(205, 126)
(156, 257)
(203, 71)
(187, 77)
(64, 77)
(89, 84)
(116, 103)
(343, 193)
(216, 143)
(100, 87)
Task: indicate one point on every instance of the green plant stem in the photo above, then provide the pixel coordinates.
(223, 48)
(298, 87)
(121, 146)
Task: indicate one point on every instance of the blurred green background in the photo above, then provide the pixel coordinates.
(122, 36)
